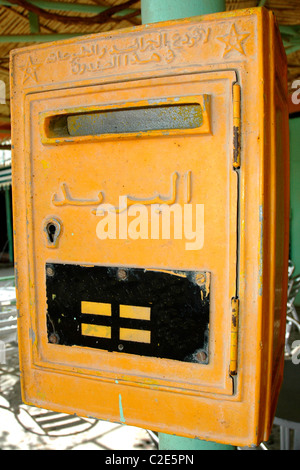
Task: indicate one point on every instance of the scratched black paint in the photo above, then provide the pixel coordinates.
(179, 309)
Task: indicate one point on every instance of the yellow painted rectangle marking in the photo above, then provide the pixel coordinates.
(96, 308)
(137, 313)
(100, 331)
(138, 336)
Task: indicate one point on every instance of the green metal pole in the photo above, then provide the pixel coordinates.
(295, 193)
(34, 22)
(171, 442)
(152, 12)
(9, 225)
(163, 10)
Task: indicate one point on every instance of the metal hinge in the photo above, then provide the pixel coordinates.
(236, 90)
(234, 336)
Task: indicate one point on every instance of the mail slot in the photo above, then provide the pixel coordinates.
(150, 183)
(120, 121)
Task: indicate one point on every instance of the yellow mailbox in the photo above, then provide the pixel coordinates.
(150, 183)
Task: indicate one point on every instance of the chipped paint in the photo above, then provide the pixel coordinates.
(16, 277)
(40, 395)
(159, 101)
(234, 336)
(206, 102)
(32, 335)
(45, 164)
(122, 419)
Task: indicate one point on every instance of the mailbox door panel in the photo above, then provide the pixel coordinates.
(83, 177)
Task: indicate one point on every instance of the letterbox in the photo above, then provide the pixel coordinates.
(150, 183)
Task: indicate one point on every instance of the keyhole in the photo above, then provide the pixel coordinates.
(51, 230)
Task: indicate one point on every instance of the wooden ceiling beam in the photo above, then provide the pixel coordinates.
(18, 13)
(72, 6)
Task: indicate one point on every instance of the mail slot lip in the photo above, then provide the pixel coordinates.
(48, 136)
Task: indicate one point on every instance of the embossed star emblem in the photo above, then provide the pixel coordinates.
(233, 41)
(30, 70)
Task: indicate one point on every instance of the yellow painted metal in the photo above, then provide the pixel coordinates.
(131, 311)
(233, 66)
(96, 308)
(101, 331)
(131, 334)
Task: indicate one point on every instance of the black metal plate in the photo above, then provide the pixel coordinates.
(178, 303)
